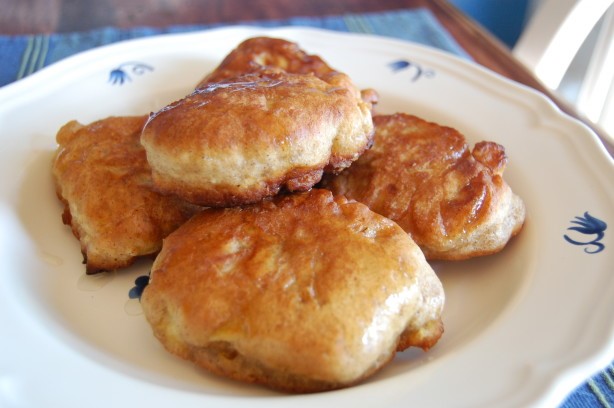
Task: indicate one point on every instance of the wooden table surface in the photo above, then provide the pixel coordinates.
(49, 16)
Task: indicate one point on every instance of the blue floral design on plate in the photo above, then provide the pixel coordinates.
(590, 226)
(121, 73)
(415, 69)
(139, 285)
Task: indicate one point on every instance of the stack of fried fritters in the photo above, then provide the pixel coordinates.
(276, 279)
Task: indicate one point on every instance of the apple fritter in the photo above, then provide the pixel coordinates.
(452, 201)
(102, 177)
(244, 139)
(254, 54)
(305, 292)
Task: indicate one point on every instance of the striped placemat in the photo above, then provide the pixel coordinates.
(24, 55)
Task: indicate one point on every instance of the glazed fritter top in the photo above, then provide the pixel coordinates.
(102, 177)
(453, 201)
(302, 292)
(243, 139)
(255, 54)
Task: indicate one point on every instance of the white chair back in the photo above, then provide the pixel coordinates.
(563, 34)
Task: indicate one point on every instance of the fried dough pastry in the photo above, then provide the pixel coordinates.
(103, 179)
(452, 201)
(305, 292)
(238, 141)
(254, 54)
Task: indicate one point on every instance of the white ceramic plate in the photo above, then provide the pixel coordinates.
(523, 327)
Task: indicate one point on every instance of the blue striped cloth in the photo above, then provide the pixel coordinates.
(598, 391)
(24, 55)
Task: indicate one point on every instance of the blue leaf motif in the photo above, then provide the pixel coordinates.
(118, 76)
(591, 226)
(121, 74)
(413, 68)
(139, 285)
(583, 230)
(398, 65)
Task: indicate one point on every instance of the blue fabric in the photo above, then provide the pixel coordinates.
(503, 18)
(598, 391)
(23, 55)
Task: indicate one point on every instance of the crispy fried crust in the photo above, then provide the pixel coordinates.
(104, 181)
(254, 54)
(303, 293)
(453, 201)
(241, 140)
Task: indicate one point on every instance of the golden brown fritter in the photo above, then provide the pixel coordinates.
(453, 201)
(305, 292)
(104, 181)
(254, 54)
(238, 141)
